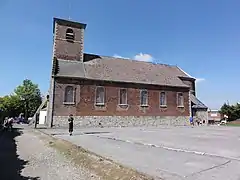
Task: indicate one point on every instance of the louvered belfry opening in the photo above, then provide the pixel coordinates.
(70, 35)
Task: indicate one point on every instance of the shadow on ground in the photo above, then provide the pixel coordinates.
(10, 164)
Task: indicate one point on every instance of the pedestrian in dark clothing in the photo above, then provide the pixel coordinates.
(191, 121)
(70, 124)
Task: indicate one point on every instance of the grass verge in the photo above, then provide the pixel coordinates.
(105, 168)
(232, 124)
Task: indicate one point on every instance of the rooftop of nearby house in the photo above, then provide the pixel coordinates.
(213, 111)
(113, 69)
(196, 103)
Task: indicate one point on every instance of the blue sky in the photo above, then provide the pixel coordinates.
(202, 37)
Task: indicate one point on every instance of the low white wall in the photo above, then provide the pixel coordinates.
(42, 117)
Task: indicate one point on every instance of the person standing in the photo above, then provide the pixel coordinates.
(10, 123)
(191, 121)
(70, 124)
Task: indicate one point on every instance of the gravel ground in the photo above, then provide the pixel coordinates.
(25, 156)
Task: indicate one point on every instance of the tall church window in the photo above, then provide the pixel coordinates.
(69, 95)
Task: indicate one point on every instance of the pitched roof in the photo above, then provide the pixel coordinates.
(71, 69)
(197, 103)
(106, 68)
(68, 23)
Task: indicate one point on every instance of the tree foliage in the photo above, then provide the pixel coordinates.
(232, 111)
(10, 105)
(30, 95)
(26, 98)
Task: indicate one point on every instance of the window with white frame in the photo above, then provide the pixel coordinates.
(122, 96)
(144, 97)
(180, 100)
(100, 95)
(163, 99)
(69, 94)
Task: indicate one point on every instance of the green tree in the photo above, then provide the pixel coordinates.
(232, 111)
(236, 111)
(1, 111)
(10, 106)
(225, 109)
(30, 97)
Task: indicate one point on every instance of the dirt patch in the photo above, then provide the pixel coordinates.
(104, 168)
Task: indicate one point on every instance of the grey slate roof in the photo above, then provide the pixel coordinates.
(197, 103)
(71, 69)
(106, 68)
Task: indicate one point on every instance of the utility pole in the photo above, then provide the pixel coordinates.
(36, 120)
(26, 110)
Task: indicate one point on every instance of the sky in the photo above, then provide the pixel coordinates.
(201, 37)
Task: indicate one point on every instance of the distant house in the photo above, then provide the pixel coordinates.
(214, 116)
(107, 91)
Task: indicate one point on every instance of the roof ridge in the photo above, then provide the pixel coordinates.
(131, 59)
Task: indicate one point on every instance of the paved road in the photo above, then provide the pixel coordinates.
(176, 153)
(23, 156)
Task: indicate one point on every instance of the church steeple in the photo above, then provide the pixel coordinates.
(68, 39)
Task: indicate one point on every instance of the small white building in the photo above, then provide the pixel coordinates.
(42, 116)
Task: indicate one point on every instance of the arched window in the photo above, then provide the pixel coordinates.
(163, 99)
(100, 95)
(69, 94)
(122, 96)
(70, 35)
(143, 97)
(180, 99)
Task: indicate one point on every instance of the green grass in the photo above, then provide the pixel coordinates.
(234, 125)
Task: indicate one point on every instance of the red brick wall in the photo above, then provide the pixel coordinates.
(68, 50)
(85, 100)
(191, 83)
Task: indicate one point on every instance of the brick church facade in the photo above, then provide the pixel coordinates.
(106, 91)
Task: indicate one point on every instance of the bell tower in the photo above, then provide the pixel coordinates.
(68, 39)
(68, 42)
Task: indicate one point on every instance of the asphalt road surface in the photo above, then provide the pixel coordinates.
(176, 153)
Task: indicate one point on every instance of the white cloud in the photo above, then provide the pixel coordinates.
(143, 57)
(199, 80)
(138, 57)
(117, 56)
